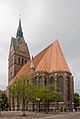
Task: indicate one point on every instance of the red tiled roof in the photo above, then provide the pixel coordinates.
(53, 59)
(50, 59)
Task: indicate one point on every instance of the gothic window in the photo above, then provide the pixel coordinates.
(40, 82)
(60, 86)
(36, 81)
(22, 61)
(52, 81)
(19, 60)
(11, 74)
(45, 81)
(25, 61)
(68, 88)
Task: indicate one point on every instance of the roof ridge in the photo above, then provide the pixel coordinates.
(45, 50)
(50, 58)
(62, 55)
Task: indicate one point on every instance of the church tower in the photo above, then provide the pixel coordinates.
(18, 53)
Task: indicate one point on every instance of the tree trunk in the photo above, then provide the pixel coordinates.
(0, 112)
(23, 107)
(13, 106)
(46, 106)
(17, 104)
(33, 106)
(27, 105)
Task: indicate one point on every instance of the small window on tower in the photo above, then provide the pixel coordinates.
(11, 74)
(22, 61)
(19, 60)
(25, 61)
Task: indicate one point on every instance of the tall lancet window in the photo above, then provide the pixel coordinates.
(36, 81)
(45, 81)
(19, 60)
(40, 81)
(68, 88)
(60, 87)
(52, 80)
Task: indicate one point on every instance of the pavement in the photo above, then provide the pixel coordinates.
(34, 115)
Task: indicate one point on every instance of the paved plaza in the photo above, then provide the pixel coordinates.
(34, 115)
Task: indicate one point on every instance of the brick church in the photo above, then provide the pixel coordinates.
(47, 67)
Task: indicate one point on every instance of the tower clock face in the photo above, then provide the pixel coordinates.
(22, 49)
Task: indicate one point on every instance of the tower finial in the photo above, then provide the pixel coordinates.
(19, 30)
(32, 66)
(20, 15)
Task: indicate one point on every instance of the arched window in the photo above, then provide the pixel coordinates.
(22, 61)
(25, 61)
(36, 81)
(19, 60)
(11, 74)
(45, 81)
(52, 80)
(40, 82)
(68, 88)
(60, 87)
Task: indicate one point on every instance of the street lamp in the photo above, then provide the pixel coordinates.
(38, 99)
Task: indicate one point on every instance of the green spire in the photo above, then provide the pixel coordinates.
(19, 30)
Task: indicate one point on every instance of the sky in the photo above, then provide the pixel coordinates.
(43, 21)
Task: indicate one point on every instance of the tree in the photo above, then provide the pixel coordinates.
(12, 90)
(19, 90)
(3, 101)
(46, 93)
(76, 100)
(49, 93)
(25, 91)
(33, 93)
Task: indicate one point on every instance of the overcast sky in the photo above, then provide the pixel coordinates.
(43, 21)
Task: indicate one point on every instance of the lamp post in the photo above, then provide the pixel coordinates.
(38, 99)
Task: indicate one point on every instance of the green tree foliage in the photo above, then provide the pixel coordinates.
(33, 92)
(49, 93)
(19, 90)
(46, 94)
(3, 102)
(26, 91)
(76, 100)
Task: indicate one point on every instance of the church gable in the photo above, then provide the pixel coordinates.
(22, 47)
